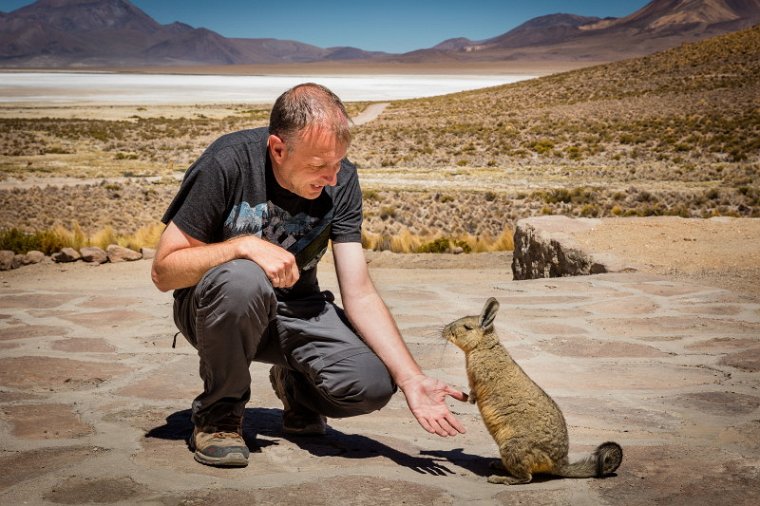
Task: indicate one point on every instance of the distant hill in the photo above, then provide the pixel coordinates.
(88, 33)
(686, 114)
(82, 33)
(659, 25)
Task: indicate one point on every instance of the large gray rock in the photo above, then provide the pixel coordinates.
(118, 253)
(544, 248)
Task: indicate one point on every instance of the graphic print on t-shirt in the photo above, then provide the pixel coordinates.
(296, 233)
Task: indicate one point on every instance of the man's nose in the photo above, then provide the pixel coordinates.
(330, 177)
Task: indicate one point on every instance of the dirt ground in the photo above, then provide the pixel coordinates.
(721, 252)
(94, 401)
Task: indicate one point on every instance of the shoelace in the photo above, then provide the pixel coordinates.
(223, 432)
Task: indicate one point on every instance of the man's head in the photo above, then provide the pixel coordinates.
(308, 105)
(308, 137)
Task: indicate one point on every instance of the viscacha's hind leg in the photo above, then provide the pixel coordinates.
(517, 474)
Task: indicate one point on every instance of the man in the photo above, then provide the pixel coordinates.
(243, 236)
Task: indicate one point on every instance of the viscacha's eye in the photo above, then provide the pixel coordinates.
(468, 326)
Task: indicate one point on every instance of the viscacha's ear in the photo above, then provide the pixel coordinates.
(489, 313)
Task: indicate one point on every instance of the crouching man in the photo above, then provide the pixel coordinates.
(243, 237)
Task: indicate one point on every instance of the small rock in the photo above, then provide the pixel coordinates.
(67, 255)
(94, 254)
(8, 260)
(32, 257)
(118, 253)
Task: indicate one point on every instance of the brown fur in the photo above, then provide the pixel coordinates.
(525, 422)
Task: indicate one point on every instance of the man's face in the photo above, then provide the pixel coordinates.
(308, 163)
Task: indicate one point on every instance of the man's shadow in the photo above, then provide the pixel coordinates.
(268, 422)
(477, 465)
(179, 427)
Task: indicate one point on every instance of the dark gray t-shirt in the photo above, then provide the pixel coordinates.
(230, 190)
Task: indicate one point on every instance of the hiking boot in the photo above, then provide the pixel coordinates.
(296, 419)
(217, 446)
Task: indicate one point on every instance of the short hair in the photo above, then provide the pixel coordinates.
(306, 105)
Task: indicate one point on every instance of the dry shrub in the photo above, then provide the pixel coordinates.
(74, 238)
(486, 242)
(406, 242)
(146, 236)
(372, 241)
(59, 237)
(102, 238)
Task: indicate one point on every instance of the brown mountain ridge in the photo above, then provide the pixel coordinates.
(89, 33)
(659, 25)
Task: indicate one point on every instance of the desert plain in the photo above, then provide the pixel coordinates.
(662, 358)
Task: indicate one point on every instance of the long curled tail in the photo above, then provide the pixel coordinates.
(605, 460)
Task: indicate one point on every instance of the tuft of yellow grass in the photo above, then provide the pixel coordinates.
(71, 238)
(59, 237)
(403, 241)
(406, 242)
(487, 243)
(145, 237)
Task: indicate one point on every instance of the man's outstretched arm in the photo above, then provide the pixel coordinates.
(371, 318)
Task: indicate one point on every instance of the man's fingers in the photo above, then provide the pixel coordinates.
(293, 276)
(284, 277)
(426, 425)
(437, 429)
(455, 425)
(443, 427)
(432, 426)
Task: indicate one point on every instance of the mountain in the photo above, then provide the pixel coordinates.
(543, 30)
(699, 16)
(88, 33)
(659, 25)
(82, 33)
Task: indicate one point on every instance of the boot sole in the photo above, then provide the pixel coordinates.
(229, 460)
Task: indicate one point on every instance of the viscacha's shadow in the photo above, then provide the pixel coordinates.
(477, 465)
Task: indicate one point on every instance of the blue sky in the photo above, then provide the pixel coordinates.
(389, 25)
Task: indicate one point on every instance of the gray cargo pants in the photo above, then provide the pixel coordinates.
(232, 317)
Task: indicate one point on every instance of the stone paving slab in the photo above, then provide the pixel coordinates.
(94, 401)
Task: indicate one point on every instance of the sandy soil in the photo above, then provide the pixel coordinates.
(721, 252)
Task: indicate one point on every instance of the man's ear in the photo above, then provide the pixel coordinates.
(277, 148)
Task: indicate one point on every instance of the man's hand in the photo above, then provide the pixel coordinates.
(426, 399)
(277, 263)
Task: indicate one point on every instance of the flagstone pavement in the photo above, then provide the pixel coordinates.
(94, 401)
